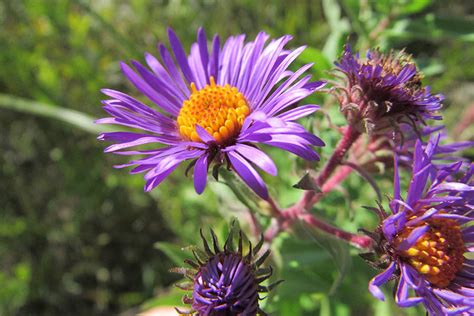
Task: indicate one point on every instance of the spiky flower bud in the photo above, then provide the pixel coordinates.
(226, 281)
(383, 91)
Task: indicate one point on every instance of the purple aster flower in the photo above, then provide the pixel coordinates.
(381, 92)
(226, 281)
(213, 106)
(424, 241)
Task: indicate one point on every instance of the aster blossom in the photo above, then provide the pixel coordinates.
(226, 281)
(212, 107)
(424, 242)
(383, 91)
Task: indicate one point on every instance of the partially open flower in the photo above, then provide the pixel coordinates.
(383, 91)
(424, 242)
(226, 281)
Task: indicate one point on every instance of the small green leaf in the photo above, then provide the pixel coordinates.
(308, 182)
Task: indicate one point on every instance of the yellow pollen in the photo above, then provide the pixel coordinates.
(220, 110)
(438, 254)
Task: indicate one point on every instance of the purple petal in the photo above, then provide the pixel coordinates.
(137, 106)
(413, 237)
(259, 158)
(298, 149)
(153, 182)
(378, 280)
(180, 55)
(254, 50)
(197, 67)
(454, 186)
(401, 296)
(148, 91)
(204, 135)
(173, 70)
(165, 78)
(396, 180)
(200, 174)
(203, 52)
(426, 215)
(214, 60)
(167, 164)
(391, 225)
(299, 112)
(248, 174)
(145, 139)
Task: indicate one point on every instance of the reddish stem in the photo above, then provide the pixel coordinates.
(349, 137)
(299, 211)
(341, 174)
(359, 241)
(293, 214)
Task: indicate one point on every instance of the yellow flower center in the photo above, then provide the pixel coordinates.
(220, 110)
(439, 253)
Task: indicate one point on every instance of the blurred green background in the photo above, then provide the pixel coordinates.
(77, 237)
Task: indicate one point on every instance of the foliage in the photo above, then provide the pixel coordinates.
(77, 237)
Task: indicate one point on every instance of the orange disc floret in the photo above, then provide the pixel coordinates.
(220, 110)
(439, 253)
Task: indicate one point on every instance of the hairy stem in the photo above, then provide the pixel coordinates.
(349, 137)
(359, 241)
(293, 215)
(340, 175)
(327, 181)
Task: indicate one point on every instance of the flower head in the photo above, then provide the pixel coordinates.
(382, 91)
(213, 106)
(226, 281)
(424, 241)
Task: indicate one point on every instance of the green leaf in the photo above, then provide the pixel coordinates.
(412, 6)
(171, 298)
(308, 182)
(316, 56)
(338, 250)
(434, 28)
(74, 118)
(332, 12)
(339, 27)
(174, 252)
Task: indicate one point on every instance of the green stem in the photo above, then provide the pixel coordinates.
(231, 182)
(72, 117)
